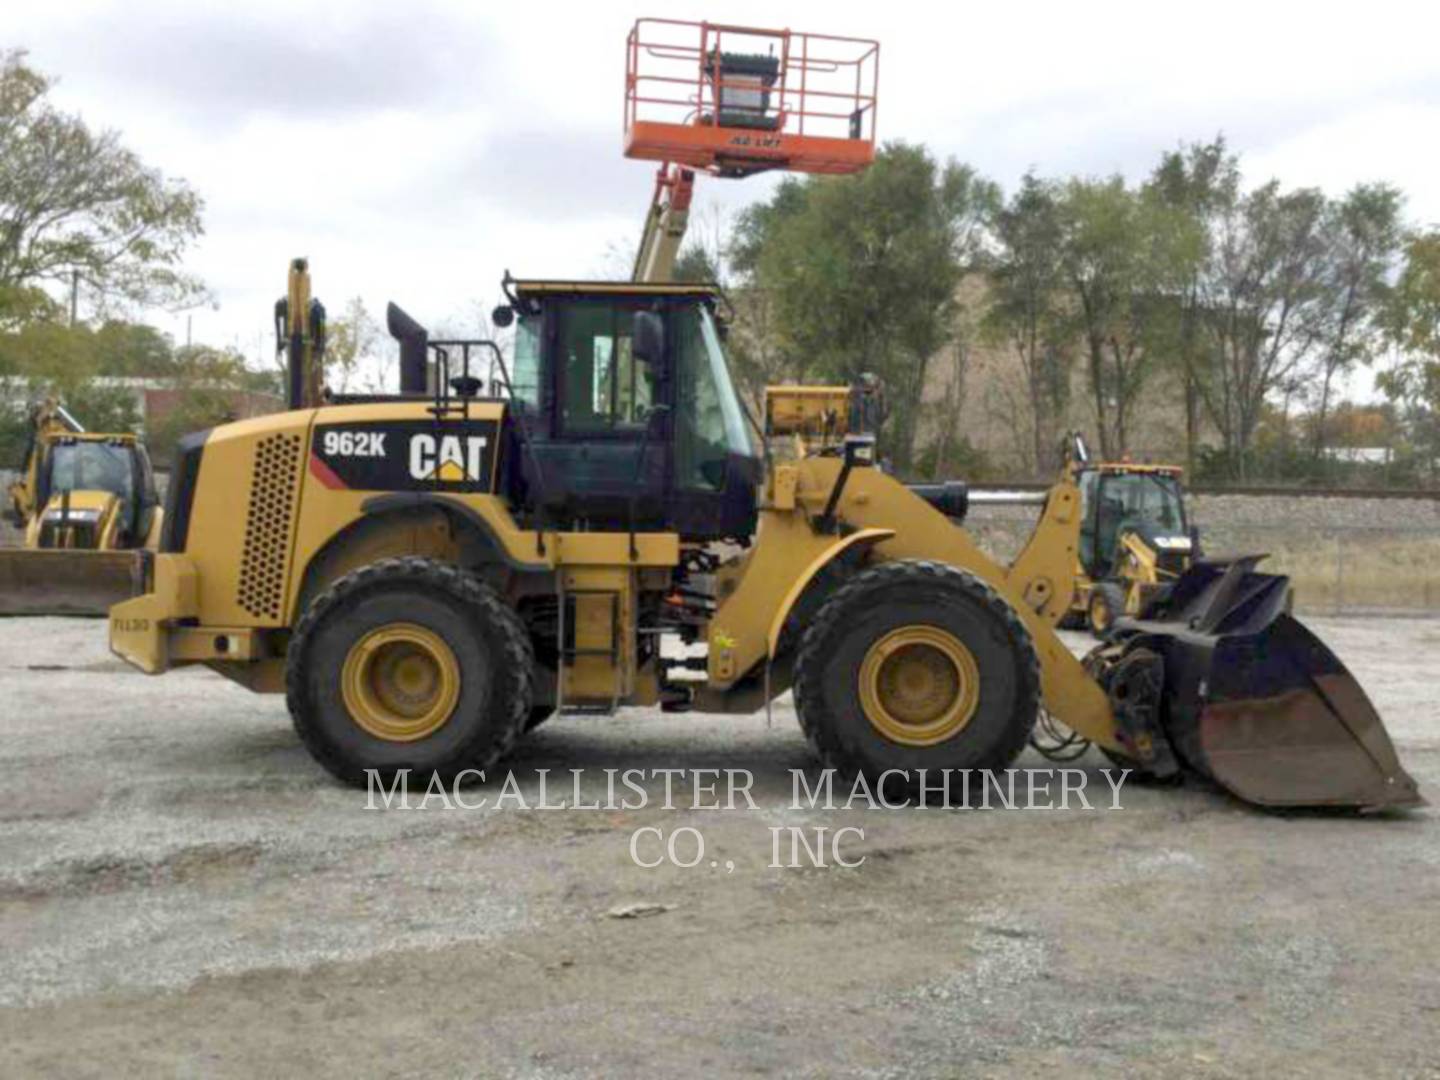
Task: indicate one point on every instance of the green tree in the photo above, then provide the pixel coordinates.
(351, 343)
(76, 206)
(1265, 301)
(697, 264)
(132, 349)
(210, 380)
(1124, 255)
(1363, 235)
(1028, 310)
(862, 272)
(1198, 183)
(1410, 321)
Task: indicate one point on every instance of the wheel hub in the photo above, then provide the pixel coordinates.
(400, 682)
(1099, 611)
(919, 685)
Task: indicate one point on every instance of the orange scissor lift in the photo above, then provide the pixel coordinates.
(734, 101)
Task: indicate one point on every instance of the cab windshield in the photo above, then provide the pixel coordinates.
(92, 466)
(1152, 498)
(709, 423)
(1116, 502)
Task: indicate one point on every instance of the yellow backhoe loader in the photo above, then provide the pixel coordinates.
(427, 575)
(87, 504)
(1135, 541)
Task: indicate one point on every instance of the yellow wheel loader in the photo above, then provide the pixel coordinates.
(428, 574)
(86, 503)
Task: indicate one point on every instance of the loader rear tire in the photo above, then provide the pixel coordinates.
(409, 663)
(958, 665)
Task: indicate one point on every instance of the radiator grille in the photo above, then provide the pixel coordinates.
(267, 526)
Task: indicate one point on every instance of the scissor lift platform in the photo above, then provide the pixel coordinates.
(734, 100)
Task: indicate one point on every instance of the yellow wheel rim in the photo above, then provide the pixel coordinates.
(400, 682)
(919, 685)
(1099, 612)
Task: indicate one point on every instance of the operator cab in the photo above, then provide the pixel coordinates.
(628, 410)
(1117, 499)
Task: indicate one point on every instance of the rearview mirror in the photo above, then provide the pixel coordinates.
(503, 316)
(647, 337)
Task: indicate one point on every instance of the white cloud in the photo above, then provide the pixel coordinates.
(416, 151)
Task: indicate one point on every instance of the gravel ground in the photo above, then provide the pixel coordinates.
(183, 892)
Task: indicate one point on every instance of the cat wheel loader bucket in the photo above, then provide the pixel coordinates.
(1244, 694)
(67, 581)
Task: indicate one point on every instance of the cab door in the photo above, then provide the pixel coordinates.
(606, 441)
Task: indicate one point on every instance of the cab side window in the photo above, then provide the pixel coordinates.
(604, 387)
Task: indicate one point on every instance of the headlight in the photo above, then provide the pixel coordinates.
(75, 517)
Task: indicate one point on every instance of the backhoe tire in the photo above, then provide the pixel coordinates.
(409, 663)
(1107, 603)
(916, 665)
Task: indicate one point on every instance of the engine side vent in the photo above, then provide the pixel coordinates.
(267, 526)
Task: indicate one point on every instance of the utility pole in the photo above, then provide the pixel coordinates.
(74, 295)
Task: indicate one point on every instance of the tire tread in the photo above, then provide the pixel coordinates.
(477, 598)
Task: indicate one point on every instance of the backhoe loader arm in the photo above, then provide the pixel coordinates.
(300, 334)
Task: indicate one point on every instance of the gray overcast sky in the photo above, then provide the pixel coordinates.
(414, 150)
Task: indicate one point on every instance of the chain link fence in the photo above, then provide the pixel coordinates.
(1344, 555)
(1346, 570)
(1340, 563)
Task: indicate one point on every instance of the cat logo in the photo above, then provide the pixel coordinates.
(450, 459)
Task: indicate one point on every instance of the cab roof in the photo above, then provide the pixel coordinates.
(615, 288)
(117, 438)
(1136, 467)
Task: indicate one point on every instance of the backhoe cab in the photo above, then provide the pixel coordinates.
(1135, 538)
(88, 505)
(97, 493)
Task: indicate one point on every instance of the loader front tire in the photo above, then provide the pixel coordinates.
(916, 665)
(409, 663)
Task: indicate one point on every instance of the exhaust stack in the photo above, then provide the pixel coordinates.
(414, 342)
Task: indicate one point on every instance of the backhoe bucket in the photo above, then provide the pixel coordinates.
(67, 582)
(1256, 702)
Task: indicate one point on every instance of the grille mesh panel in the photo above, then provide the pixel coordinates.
(267, 526)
